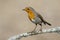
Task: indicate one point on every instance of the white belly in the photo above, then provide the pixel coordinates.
(36, 20)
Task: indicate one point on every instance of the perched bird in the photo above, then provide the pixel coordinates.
(35, 17)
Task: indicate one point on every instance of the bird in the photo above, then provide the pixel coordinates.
(35, 17)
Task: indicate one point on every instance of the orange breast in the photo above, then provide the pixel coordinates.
(31, 15)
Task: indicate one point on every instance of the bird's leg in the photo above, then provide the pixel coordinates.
(41, 27)
(34, 29)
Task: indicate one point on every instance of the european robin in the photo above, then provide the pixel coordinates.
(35, 17)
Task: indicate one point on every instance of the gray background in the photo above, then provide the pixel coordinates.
(13, 20)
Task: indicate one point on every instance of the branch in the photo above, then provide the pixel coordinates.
(19, 36)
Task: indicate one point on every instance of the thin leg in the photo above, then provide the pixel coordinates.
(41, 27)
(34, 29)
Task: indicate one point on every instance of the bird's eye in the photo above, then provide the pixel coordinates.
(28, 9)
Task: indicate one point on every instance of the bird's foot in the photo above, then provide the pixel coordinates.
(41, 30)
(33, 31)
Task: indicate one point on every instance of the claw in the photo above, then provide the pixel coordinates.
(33, 31)
(41, 30)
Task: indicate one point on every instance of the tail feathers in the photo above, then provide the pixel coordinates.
(47, 23)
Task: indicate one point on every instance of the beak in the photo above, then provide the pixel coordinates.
(23, 9)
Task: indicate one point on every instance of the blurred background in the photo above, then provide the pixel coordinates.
(13, 20)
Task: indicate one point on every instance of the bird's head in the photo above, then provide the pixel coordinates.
(27, 9)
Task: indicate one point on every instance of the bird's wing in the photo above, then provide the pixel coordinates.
(45, 22)
(40, 17)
